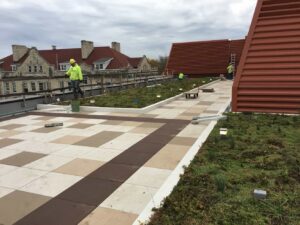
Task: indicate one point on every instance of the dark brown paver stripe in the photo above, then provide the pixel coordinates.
(114, 172)
(99, 139)
(57, 212)
(45, 118)
(90, 191)
(106, 117)
(75, 203)
(22, 158)
(205, 103)
(8, 141)
(112, 122)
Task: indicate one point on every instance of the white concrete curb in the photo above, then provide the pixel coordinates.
(119, 110)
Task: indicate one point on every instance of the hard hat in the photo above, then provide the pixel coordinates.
(72, 61)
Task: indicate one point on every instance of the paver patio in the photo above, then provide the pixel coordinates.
(99, 168)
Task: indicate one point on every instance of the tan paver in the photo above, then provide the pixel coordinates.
(79, 167)
(168, 157)
(18, 204)
(68, 139)
(105, 216)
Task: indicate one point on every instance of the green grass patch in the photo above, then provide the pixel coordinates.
(143, 96)
(261, 151)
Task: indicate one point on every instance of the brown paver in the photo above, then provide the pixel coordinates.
(68, 139)
(22, 158)
(18, 204)
(9, 133)
(90, 191)
(45, 118)
(205, 103)
(57, 212)
(12, 126)
(81, 125)
(114, 172)
(45, 129)
(8, 141)
(112, 122)
(99, 139)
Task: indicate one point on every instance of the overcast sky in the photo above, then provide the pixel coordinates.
(141, 26)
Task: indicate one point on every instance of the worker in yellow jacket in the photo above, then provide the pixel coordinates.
(75, 75)
(180, 76)
(230, 71)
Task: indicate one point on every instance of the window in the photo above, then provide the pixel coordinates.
(7, 88)
(61, 84)
(41, 69)
(33, 87)
(13, 67)
(25, 87)
(14, 87)
(84, 79)
(41, 86)
(29, 69)
(99, 66)
(63, 67)
(35, 69)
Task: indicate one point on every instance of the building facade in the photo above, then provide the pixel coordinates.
(32, 70)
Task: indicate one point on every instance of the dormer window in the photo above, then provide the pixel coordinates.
(13, 67)
(64, 66)
(99, 66)
(102, 64)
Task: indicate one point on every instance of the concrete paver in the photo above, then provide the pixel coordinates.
(100, 167)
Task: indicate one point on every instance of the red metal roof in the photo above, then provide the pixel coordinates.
(57, 56)
(268, 77)
(203, 57)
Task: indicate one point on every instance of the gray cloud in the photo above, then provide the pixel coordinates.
(142, 26)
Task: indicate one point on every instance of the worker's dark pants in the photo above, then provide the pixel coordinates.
(76, 88)
(230, 76)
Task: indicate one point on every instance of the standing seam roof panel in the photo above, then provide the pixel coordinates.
(268, 77)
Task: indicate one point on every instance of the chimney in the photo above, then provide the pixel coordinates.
(86, 48)
(53, 47)
(116, 46)
(18, 52)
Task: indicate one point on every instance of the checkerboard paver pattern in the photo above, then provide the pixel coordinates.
(99, 168)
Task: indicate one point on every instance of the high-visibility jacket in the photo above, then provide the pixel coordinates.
(230, 69)
(181, 76)
(75, 73)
